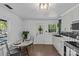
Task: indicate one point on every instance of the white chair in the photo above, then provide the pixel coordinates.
(12, 51)
(28, 42)
(30, 38)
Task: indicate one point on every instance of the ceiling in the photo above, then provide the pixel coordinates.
(31, 10)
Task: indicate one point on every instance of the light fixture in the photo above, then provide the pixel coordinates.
(44, 6)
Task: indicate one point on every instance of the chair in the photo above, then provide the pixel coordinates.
(12, 51)
(30, 38)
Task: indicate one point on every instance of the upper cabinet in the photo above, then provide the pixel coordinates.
(76, 13)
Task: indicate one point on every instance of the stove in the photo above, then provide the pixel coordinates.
(72, 45)
(75, 44)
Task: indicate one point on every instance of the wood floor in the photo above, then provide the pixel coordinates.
(42, 50)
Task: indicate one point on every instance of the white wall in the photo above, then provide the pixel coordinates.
(32, 25)
(14, 25)
(69, 17)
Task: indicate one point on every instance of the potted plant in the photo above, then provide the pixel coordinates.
(40, 29)
(24, 35)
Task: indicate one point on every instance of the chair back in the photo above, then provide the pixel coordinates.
(30, 37)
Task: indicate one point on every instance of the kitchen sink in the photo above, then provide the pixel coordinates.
(58, 35)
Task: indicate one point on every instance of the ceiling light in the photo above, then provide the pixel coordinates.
(43, 6)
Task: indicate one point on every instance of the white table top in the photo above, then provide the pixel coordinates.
(25, 43)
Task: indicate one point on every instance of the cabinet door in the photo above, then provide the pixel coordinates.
(67, 51)
(39, 39)
(1, 52)
(70, 52)
(61, 47)
(57, 44)
(48, 39)
(73, 53)
(53, 40)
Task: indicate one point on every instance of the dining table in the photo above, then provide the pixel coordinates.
(23, 44)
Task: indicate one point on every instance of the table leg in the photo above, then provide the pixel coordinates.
(27, 51)
(20, 51)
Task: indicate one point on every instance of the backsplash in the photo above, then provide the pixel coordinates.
(72, 34)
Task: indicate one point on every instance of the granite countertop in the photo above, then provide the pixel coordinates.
(65, 38)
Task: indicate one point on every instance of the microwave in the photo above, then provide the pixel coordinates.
(75, 25)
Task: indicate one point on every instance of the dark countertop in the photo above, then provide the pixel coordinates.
(70, 34)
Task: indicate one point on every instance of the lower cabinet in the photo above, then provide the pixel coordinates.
(43, 39)
(70, 52)
(73, 53)
(3, 50)
(59, 45)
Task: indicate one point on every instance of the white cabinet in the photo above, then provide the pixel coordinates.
(43, 39)
(70, 52)
(58, 43)
(54, 41)
(73, 53)
(3, 50)
(67, 51)
(61, 47)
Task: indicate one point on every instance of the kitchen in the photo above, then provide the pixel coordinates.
(57, 28)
